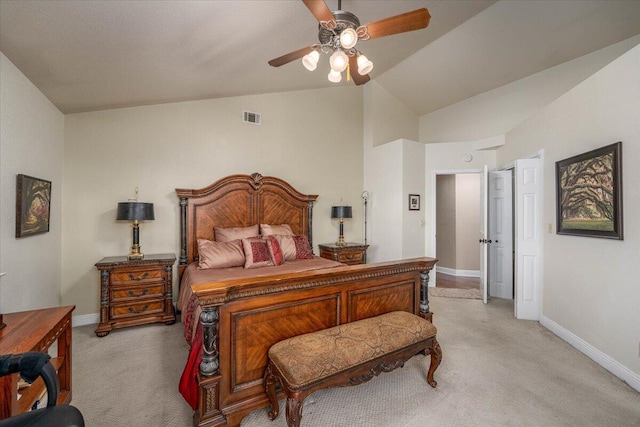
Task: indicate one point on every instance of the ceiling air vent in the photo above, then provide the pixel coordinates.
(249, 117)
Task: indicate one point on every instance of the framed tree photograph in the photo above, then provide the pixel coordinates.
(589, 194)
(33, 205)
(414, 202)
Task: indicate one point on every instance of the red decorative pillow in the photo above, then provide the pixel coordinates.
(220, 254)
(274, 250)
(256, 253)
(303, 248)
(294, 247)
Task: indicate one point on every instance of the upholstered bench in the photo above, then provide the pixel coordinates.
(346, 355)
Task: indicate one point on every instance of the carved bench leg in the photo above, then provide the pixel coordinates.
(436, 358)
(294, 410)
(270, 382)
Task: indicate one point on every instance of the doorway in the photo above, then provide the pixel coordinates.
(457, 218)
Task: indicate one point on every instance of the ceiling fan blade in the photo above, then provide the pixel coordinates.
(409, 21)
(321, 11)
(353, 71)
(291, 56)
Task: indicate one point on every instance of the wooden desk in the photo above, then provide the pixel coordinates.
(36, 330)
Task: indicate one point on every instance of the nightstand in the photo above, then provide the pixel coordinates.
(135, 292)
(349, 253)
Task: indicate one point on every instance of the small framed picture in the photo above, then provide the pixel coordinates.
(33, 205)
(414, 202)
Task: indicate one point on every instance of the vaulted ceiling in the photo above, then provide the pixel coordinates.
(94, 55)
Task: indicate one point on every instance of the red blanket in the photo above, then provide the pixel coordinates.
(189, 381)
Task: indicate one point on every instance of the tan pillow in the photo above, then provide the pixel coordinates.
(294, 247)
(235, 233)
(281, 229)
(220, 254)
(256, 253)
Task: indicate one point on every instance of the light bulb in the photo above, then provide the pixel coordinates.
(364, 65)
(348, 38)
(310, 60)
(335, 76)
(339, 61)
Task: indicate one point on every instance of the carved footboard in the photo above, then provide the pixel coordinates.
(241, 319)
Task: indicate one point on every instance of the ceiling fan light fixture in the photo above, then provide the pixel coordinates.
(348, 38)
(310, 60)
(364, 65)
(339, 61)
(335, 76)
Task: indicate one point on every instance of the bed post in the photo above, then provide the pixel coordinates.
(424, 292)
(309, 231)
(183, 231)
(209, 319)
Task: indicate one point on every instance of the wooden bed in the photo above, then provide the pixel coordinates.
(242, 318)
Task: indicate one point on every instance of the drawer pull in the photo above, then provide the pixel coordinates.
(140, 294)
(144, 276)
(134, 311)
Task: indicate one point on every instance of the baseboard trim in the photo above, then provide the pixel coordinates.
(602, 359)
(85, 319)
(459, 273)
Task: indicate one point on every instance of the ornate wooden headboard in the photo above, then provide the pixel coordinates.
(240, 201)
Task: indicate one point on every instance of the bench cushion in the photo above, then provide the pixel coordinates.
(306, 358)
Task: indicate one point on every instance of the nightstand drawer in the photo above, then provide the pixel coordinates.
(350, 256)
(136, 276)
(124, 293)
(137, 308)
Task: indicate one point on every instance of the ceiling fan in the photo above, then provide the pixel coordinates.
(339, 31)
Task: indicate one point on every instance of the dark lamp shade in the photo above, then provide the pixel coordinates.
(341, 212)
(132, 211)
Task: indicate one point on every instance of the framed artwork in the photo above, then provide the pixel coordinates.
(589, 193)
(33, 205)
(414, 202)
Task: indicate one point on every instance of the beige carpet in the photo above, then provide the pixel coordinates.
(496, 371)
(455, 293)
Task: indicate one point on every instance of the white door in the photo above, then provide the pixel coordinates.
(500, 235)
(484, 284)
(528, 238)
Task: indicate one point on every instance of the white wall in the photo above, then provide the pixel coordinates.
(390, 118)
(413, 232)
(386, 203)
(386, 122)
(590, 289)
(31, 143)
(303, 139)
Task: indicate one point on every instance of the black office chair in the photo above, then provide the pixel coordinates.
(31, 365)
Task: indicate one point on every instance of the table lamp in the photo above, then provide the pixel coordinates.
(136, 212)
(341, 212)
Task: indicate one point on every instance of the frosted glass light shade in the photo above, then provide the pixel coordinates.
(335, 76)
(364, 65)
(339, 61)
(310, 60)
(348, 38)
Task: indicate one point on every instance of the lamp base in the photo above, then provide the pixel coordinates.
(135, 253)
